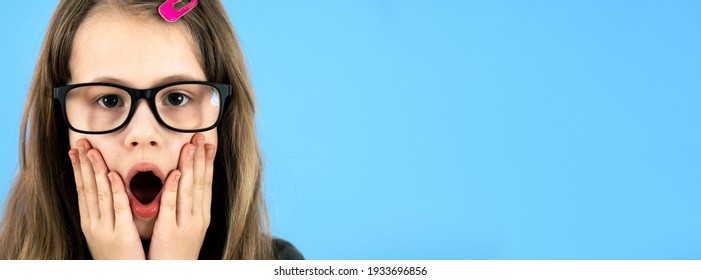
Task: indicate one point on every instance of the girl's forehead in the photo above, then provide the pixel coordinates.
(135, 48)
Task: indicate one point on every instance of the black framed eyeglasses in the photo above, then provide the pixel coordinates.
(98, 108)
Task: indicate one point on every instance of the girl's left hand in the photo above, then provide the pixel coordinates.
(184, 213)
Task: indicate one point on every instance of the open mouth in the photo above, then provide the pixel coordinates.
(145, 186)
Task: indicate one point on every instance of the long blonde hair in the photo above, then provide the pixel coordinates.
(41, 218)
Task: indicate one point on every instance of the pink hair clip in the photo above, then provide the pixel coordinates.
(170, 14)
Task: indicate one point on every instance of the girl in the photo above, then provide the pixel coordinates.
(138, 141)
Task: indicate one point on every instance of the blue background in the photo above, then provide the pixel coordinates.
(459, 129)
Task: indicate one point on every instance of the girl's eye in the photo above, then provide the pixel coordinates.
(110, 101)
(177, 99)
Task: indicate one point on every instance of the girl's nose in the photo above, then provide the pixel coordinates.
(143, 130)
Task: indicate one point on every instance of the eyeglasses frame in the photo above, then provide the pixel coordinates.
(150, 95)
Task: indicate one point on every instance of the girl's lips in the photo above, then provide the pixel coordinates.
(151, 209)
(144, 211)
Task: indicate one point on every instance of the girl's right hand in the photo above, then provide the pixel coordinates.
(105, 215)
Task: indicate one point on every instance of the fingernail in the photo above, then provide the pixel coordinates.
(200, 142)
(210, 152)
(90, 157)
(177, 177)
(81, 148)
(191, 152)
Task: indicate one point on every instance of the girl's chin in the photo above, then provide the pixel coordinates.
(144, 226)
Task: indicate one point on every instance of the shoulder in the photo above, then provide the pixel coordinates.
(284, 250)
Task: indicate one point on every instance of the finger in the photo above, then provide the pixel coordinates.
(122, 212)
(185, 190)
(199, 170)
(89, 185)
(209, 174)
(104, 192)
(82, 206)
(169, 198)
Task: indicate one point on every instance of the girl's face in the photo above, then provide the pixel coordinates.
(138, 52)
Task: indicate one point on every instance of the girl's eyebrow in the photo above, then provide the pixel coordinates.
(162, 81)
